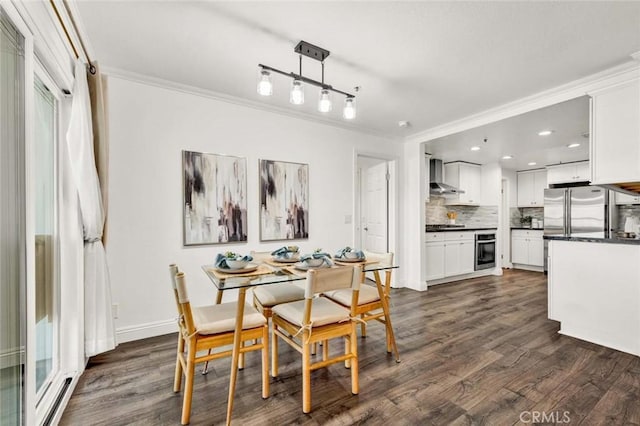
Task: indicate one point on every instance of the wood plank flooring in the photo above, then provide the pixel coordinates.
(479, 351)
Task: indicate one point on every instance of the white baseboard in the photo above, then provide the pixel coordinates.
(528, 267)
(143, 331)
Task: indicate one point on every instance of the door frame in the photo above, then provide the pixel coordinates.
(392, 198)
(505, 202)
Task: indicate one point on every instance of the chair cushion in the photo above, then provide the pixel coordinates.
(275, 294)
(323, 312)
(214, 319)
(366, 295)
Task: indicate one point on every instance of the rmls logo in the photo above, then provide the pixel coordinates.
(556, 417)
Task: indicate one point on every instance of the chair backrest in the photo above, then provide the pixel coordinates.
(329, 279)
(173, 271)
(383, 258)
(184, 307)
(261, 256)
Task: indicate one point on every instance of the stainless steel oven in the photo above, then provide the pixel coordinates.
(485, 250)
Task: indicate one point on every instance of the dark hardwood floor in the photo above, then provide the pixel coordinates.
(479, 351)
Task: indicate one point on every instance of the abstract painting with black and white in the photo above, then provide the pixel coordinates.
(215, 198)
(284, 200)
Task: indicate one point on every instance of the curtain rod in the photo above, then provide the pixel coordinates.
(92, 68)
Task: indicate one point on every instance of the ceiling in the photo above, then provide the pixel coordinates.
(518, 137)
(424, 62)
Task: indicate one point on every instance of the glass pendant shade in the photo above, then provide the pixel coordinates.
(324, 104)
(349, 111)
(265, 87)
(297, 93)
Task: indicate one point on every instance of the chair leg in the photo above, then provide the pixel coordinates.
(265, 362)
(205, 369)
(363, 326)
(177, 379)
(306, 375)
(274, 352)
(347, 349)
(325, 350)
(355, 386)
(241, 358)
(188, 387)
(314, 348)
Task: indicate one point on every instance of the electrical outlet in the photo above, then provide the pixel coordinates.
(114, 310)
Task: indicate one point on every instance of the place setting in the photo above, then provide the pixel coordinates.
(230, 264)
(349, 255)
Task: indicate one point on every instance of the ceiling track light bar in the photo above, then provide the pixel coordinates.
(306, 80)
(265, 86)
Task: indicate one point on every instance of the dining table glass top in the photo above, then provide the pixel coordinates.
(268, 274)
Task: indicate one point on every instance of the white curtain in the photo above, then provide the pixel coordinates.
(99, 329)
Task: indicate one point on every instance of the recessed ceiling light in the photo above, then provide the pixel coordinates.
(545, 133)
(475, 148)
(403, 123)
(573, 145)
(532, 163)
(507, 157)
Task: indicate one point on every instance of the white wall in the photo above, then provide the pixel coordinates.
(149, 127)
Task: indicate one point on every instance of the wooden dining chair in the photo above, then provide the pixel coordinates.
(212, 327)
(369, 306)
(267, 296)
(303, 323)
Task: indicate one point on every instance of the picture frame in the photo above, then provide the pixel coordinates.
(284, 200)
(214, 201)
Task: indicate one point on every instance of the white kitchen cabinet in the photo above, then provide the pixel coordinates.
(449, 254)
(615, 134)
(626, 199)
(435, 260)
(570, 172)
(464, 176)
(531, 186)
(527, 247)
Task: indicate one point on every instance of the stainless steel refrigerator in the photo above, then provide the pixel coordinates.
(581, 211)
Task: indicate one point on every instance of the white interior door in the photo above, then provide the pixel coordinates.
(375, 208)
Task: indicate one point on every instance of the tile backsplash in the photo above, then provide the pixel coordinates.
(471, 216)
(632, 210)
(517, 213)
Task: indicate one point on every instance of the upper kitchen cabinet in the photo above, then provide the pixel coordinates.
(464, 176)
(568, 173)
(615, 134)
(531, 185)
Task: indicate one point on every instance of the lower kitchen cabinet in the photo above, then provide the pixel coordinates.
(449, 254)
(527, 247)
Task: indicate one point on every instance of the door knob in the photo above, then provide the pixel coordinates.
(366, 229)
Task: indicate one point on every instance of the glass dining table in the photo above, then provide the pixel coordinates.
(268, 273)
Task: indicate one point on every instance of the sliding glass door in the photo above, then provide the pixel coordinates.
(12, 225)
(46, 280)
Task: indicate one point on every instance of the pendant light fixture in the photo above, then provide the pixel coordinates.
(296, 96)
(265, 87)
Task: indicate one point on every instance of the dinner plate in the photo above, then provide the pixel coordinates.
(249, 268)
(302, 267)
(344, 259)
(286, 259)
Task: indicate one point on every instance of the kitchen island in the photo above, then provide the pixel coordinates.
(594, 290)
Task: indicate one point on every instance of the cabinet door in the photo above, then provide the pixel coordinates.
(470, 181)
(561, 174)
(582, 171)
(434, 261)
(467, 255)
(615, 134)
(539, 185)
(520, 251)
(451, 258)
(525, 189)
(536, 251)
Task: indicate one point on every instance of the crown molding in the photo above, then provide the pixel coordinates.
(210, 94)
(616, 75)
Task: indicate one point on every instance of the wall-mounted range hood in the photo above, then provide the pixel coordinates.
(436, 180)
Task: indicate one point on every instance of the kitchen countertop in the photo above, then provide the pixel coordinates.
(630, 241)
(527, 227)
(461, 229)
